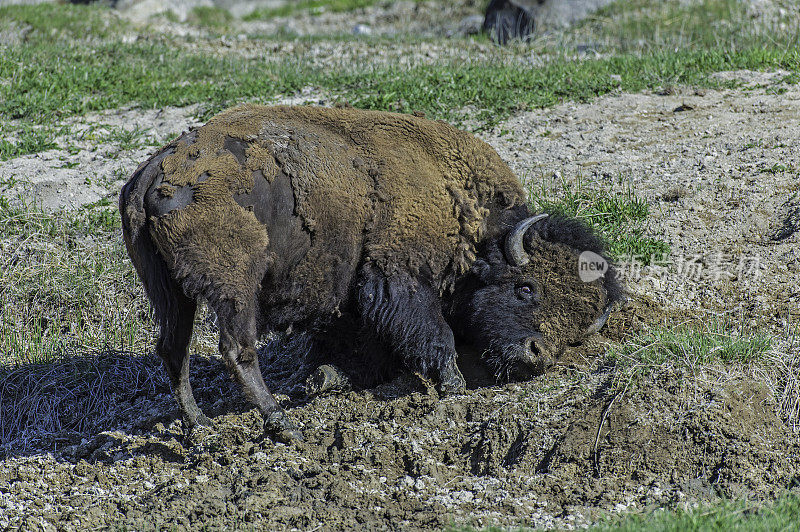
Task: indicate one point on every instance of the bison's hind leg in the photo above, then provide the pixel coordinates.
(237, 340)
(176, 320)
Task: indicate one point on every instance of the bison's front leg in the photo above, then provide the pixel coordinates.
(407, 315)
(237, 346)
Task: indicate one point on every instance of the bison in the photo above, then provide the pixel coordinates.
(506, 20)
(301, 217)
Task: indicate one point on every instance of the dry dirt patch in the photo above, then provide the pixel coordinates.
(89, 163)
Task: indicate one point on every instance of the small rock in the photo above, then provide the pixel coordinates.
(362, 29)
(471, 25)
(325, 379)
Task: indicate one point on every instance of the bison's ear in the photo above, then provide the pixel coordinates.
(482, 270)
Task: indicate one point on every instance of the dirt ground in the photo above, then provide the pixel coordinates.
(554, 452)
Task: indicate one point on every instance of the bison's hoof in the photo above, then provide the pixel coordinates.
(195, 433)
(453, 384)
(279, 428)
(325, 379)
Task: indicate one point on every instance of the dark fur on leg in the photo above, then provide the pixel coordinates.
(237, 347)
(173, 343)
(407, 315)
(349, 345)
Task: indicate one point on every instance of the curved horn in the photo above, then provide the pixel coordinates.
(515, 251)
(599, 322)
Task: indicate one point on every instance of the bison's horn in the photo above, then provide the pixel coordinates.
(515, 251)
(599, 322)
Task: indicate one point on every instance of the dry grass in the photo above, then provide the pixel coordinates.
(61, 400)
(66, 285)
(714, 352)
(781, 373)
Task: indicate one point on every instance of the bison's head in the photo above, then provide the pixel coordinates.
(525, 297)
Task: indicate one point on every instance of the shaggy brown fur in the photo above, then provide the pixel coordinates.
(414, 189)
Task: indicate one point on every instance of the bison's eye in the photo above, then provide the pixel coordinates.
(525, 291)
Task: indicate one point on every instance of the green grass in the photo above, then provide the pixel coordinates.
(66, 285)
(745, 516)
(290, 8)
(29, 139)
(692, 345)
(210, 17)
(46, 81)
(781, 515)
(619, 217)
(777, 168)
(52, 22)
(57, 75)
(127, 139)
(635, 25)
(778, 516)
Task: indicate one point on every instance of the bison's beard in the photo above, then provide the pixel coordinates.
(516, 361)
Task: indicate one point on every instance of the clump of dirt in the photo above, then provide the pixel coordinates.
(555, 451)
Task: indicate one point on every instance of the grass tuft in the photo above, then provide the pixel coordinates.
(29, 139)
(210, 17)
(711, 342)
(66, 285)
(618, 217)
(74, 393)
(128, 139)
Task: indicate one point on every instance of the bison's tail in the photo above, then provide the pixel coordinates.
(162, 289)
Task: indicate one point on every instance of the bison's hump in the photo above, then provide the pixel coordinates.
(413, 192)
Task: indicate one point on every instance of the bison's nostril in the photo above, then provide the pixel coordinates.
(529, 358)
(537, 358)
